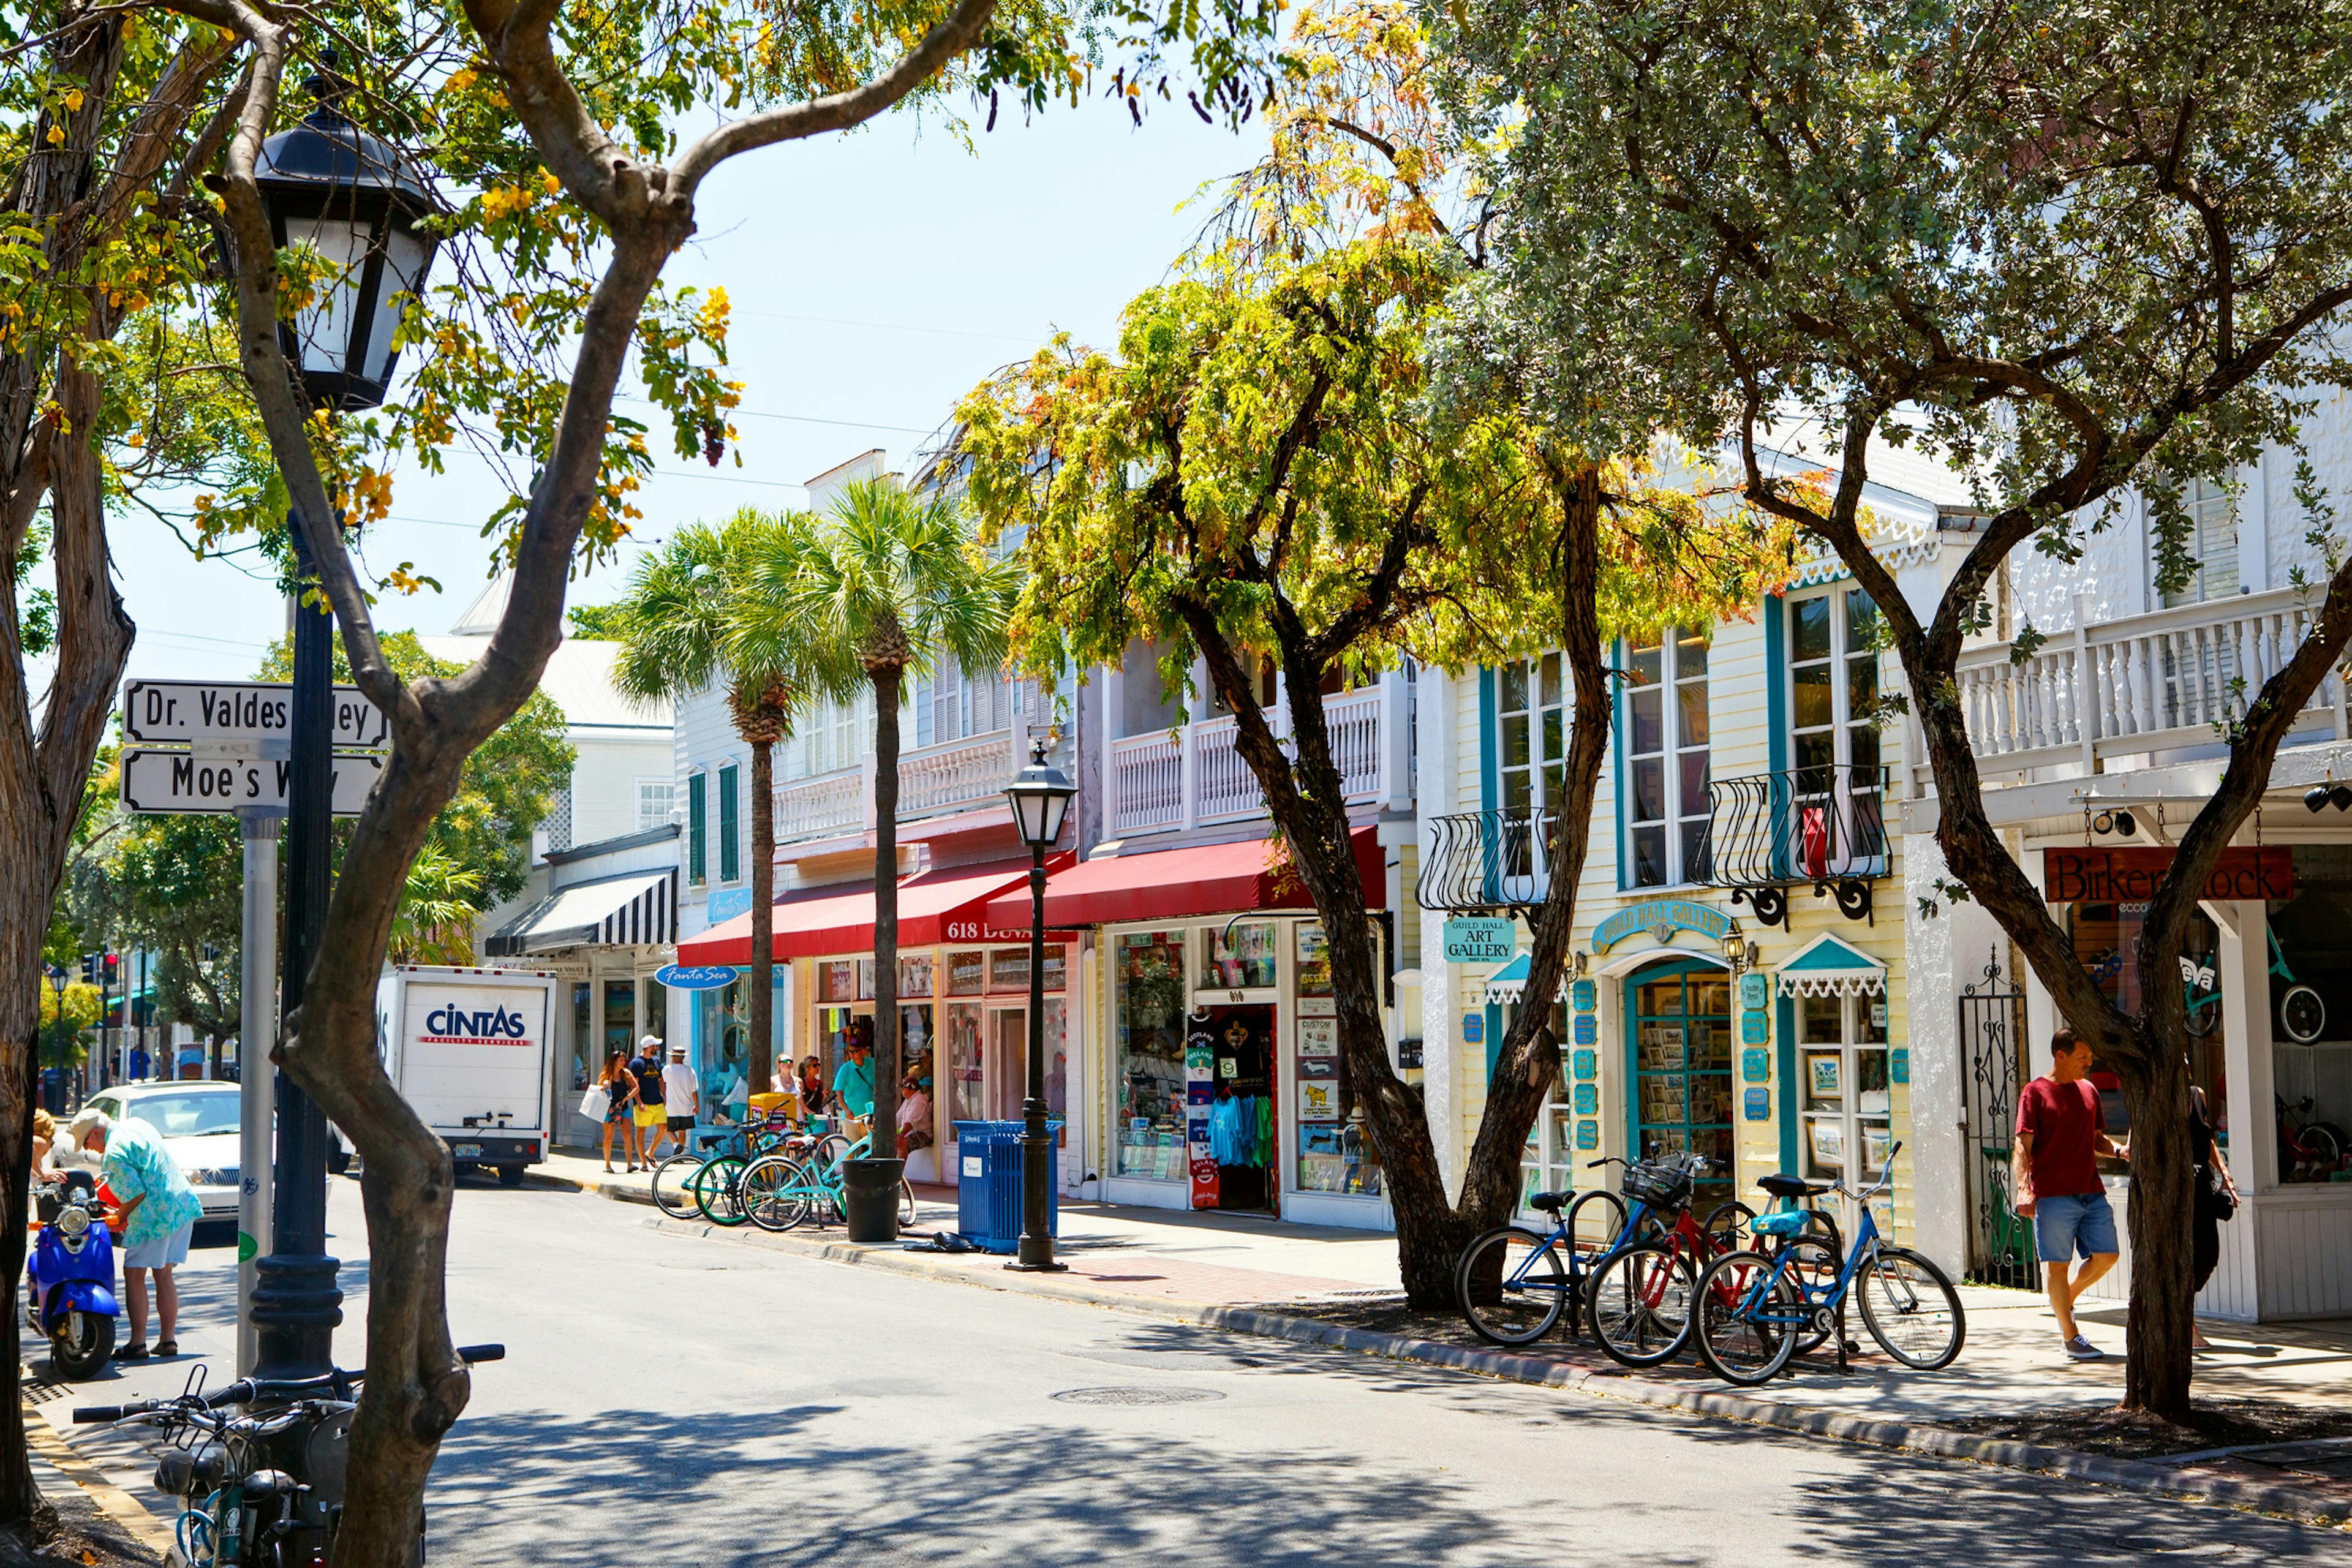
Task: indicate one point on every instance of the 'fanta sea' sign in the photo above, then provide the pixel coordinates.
(1661, 917)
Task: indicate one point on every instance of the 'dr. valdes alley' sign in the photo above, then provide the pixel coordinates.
(2100, 876)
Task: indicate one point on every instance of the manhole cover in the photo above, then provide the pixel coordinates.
(1137, 1396)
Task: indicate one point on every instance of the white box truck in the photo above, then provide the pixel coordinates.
(468, 1048)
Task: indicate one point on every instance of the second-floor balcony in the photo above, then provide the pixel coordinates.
(1194, 775)
(933, 780)
(2169, 680)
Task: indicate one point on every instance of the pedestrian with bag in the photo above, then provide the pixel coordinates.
(2215, 1199)
(620, 1108)
(2061, 1128)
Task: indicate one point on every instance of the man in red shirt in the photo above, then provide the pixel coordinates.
(2060, 1131)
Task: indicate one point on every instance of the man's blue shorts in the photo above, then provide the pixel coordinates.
(2066, 1226)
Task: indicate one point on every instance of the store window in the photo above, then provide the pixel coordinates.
(1314, 972)
(1842, 1075)
(1148, 969)
(2212, 543)
(966, 1066)
(1665, 797)
(722, 1024)
(1682, 1063)
(837, 980)
(1550, 1164)
(2310, 1021)
(620, 1016)
(1008, 970)
(915, 976)
(2106, 944)
(1239, 956)
(587, 1060)
(1837, 825)
(967, 974)
(1531, 727)
(653, 803)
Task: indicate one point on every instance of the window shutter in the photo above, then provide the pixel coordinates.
(730, 854)
(698, 835)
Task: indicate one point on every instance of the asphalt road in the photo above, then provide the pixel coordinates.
(682, 1400)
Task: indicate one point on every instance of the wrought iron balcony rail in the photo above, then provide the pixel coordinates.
(1488, 859)
(1825, 826)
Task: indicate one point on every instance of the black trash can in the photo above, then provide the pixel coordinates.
(869, 1191)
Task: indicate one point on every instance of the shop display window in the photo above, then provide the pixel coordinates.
(1843, 1076)
(915, 976)
(967, 974)
(621, 1016)
(587, 1062)
(1057, 969)
(1147, 968)
(837, 980)
(1314, 961)
(966, 1073)
(1550, 1164)
(1008, 969)
(2310, 1019)
(1682, 1067)
(1239, 956)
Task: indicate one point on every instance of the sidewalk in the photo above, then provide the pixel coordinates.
(1341, 1287)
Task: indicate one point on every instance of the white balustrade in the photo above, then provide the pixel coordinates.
(2173, 679)
(1147, 782)
(1196, 774)
(821, 807)
(959, 774)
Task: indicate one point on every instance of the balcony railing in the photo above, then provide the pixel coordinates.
(957, 776)
(1487, 859)
(1195, 773)
(1826, 825)
(2164, 681)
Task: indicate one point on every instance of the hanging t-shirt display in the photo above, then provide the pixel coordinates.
(1200, 1103)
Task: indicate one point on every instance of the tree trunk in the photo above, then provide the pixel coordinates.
(2161, 1325)
(887, 679)
(760, 1060)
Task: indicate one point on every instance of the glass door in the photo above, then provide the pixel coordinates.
(1680, 1017)
(1008, 1062)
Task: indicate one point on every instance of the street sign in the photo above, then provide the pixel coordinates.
(191, 712)
(161, 783)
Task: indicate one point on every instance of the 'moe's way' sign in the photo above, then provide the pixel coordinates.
(165, 782)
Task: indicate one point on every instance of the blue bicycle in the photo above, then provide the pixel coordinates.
(1755, 1310)
(1625, 1270)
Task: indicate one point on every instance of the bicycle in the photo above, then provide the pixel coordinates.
(2302, 1013)
(263, 1490)
(1513, 1285)
(682, 1189)
(2309, 1150)
(778, 1191)
(1754, 1309)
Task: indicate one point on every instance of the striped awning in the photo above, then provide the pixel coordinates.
(637, 909)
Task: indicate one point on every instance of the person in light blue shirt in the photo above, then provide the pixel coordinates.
(160, 1211)
(853, 1082)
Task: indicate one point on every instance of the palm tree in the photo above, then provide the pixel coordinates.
(691, 617)
(434, 922)
(894, 580)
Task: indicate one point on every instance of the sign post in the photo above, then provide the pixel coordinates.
(213, 747)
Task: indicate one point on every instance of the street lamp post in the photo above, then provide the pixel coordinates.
(58, 984)
(1040, 794)
(348, 196)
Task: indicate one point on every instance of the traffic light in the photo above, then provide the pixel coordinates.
(89, 968)
(111, 970)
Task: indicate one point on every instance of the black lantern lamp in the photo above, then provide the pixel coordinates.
(348, 196)
(1040, 794)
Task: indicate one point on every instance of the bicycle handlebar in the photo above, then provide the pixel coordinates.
(246, 1390)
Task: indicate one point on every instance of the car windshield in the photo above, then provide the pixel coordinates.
(187, 1115)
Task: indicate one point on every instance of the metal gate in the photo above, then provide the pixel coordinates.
(1992, 1035)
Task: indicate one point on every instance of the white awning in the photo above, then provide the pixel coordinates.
(1828, 967)
(637, 909)
(1508, 983)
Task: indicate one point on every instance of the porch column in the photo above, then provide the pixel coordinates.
(1440, 1057)
(2252, 1154)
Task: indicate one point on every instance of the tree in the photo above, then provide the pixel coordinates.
(437, 911)
(892, 580)
(158, 884)
(579, 140)
(1266, 470)
(595, 623)
(689, 619)
(63, 1019)
(2073, 247)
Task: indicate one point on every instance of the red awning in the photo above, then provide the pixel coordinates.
(935, 908)
(1180, 884)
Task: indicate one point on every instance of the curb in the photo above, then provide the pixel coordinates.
(110, 1500)
(2153, 1478)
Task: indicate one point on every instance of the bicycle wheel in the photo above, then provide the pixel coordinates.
(1638, 1304)
(1511, 1286)
(672, 1193)
(1813, 1274)
(717, 1191)
(1911, 1309)
(1749, 1311)
(773, 1197)
(1726, 1226)
(1594, 1221)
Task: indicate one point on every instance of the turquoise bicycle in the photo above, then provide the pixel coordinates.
(2302, 1015)
(781, 1191)
(1755, 1309)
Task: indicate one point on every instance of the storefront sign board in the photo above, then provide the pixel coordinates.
(1754, 991)
(1585, 1065)
(1588, 1135)
(1898, 1065)
(1318, 1037)
(1480, 939)
(1755, 1028)
(2090, 874)
(1588, 1099)
(1586, 1029)
(1473, 1028)
(1582, 996)
(698, 976)
(1661, 917)
(1755, 1066)
(1757, 1105)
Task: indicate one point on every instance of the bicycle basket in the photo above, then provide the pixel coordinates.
(1667, 1187)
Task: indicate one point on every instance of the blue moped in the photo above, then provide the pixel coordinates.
(70, 1283)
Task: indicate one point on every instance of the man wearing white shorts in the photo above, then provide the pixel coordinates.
(160, 1211)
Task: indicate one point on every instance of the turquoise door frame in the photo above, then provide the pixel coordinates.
(1666, 968)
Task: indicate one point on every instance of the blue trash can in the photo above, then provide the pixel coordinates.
(988, 1184)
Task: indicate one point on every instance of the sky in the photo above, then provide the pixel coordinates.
(875, 278)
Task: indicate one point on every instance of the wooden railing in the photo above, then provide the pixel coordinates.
(2164, 681)
(959, 775)
(1195, 773)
